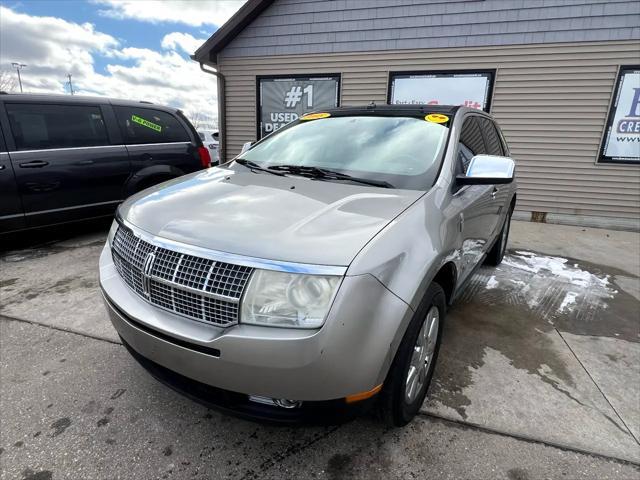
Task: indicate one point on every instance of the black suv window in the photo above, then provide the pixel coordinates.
(471, 143)
(42, 126)
(494, 146)
(145, 125)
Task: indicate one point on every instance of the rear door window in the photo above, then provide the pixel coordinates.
(145, 125)
(44, 126)
(494, 146)
(471, 143)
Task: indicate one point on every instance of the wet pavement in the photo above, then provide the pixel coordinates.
(540, 361)
(545, 347)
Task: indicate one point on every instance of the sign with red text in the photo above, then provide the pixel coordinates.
(469, 89)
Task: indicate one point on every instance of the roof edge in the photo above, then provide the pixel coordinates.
(208, 52)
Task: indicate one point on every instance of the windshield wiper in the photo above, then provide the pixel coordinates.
(254, 166)
(325, 174)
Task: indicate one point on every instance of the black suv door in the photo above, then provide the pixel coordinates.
(65, 164)
(159, 144)
(11, 214)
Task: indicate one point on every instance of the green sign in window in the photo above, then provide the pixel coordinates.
(146, 123)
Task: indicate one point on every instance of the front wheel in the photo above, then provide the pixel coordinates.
(412, 369)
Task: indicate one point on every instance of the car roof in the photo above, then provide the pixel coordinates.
(413, 110)
(78, 100)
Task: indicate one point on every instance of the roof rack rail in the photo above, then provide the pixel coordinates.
(146, 101)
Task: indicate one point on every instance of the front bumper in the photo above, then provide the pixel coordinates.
(350, 354)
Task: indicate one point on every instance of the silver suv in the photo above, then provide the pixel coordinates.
(312, 273)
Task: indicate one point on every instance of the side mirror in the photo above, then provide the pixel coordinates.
(488, 170)
(246, 147)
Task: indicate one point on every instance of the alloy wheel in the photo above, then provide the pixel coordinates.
(422, 355)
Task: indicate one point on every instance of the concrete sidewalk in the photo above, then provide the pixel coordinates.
(545, 348)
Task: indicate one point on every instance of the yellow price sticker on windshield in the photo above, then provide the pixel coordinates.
(315, 116)
(436, 118)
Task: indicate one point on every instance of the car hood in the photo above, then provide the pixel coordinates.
(260, 215)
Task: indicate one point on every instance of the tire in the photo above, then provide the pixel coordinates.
(399, 403)
(496, 254)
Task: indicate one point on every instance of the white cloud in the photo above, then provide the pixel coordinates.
(184, 41)
(52, 47)
(189, 12)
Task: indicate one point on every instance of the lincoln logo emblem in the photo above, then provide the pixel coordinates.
(146, 273)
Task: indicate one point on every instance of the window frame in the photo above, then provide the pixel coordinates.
(123, 130)
(492, 72)
(606, 132)
(10, 141)
(294, 77)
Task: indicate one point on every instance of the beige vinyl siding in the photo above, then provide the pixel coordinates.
(551, 101)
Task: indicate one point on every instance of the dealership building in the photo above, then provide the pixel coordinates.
(562, 78)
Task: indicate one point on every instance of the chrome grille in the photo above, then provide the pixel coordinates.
(190, 286)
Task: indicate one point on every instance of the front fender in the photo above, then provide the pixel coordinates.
(406, 255)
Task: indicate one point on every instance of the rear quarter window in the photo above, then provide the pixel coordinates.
(145, 125)
(494, 145)
(43, 126)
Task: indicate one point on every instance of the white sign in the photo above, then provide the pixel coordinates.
(621, 142)
(466, 89)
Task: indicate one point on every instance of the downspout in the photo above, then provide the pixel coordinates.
(222, 124)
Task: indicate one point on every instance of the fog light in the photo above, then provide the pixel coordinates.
(284, 403)
(276, 402)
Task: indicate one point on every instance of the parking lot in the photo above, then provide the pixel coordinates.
(537, 378)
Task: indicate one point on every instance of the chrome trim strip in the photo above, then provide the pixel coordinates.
(218, 256)
(198, 291)
(75, 207)
(65, 148)
(161, 143)
(96, 146)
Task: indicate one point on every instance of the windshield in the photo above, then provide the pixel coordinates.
(402, 151)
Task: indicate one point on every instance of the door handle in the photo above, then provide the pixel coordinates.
(494, 192)
(146, 157)
(34, 164)
(2, 167)
(85, 162)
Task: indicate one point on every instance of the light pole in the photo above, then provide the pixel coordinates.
(70, 84)
(18, 67)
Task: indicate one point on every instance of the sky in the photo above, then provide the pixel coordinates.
(129, 49)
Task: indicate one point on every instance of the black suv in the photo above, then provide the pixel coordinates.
(67, 158)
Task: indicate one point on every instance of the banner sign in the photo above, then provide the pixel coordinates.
(468, 89)
(283, 100)
(621, 140)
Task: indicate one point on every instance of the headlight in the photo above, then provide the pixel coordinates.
(292, 300)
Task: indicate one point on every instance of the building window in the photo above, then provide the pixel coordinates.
(621, 139)
(282, 99)
(456, 87)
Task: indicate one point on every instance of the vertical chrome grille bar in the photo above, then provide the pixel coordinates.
(175, 272)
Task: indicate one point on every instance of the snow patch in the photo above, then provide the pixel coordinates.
(568, 302)
(551, 285)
